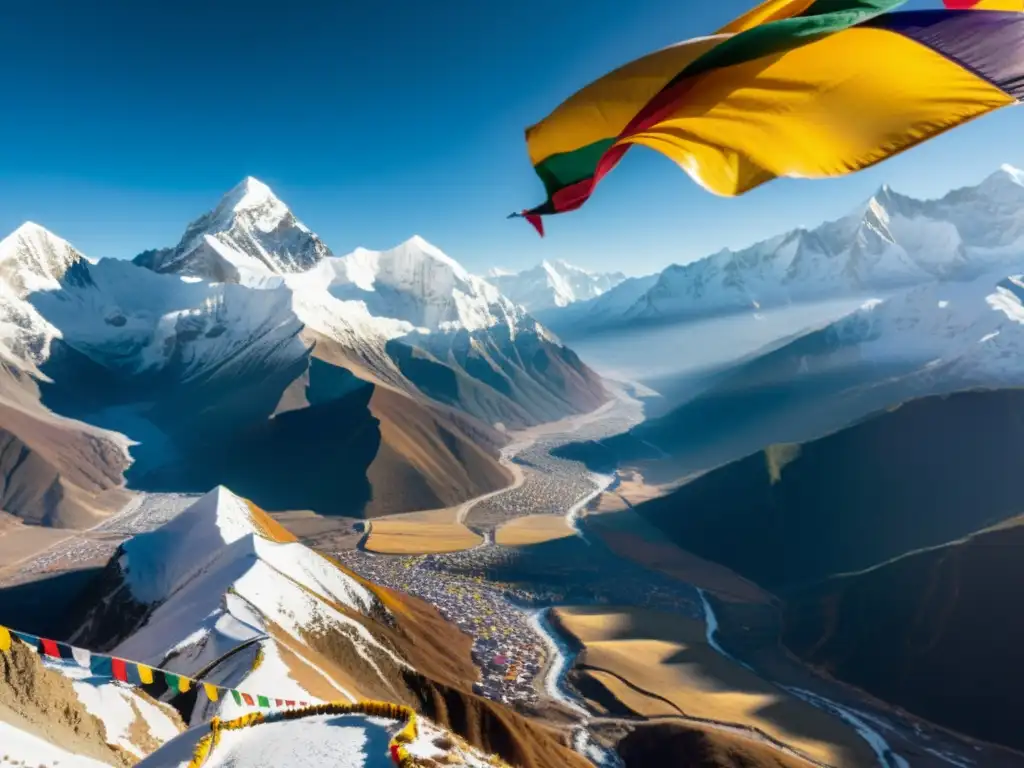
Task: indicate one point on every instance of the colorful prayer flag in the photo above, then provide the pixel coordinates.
(82, 657)
(211, 691)
(101, 666)
(145, 674)
(5, 639)
(237, 697)
(49, 648)
(248, 699)
(176, 682)
(263, 701)
(985, 5)
(119, 669)
(799, 88)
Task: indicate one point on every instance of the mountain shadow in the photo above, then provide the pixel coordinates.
(922, 474)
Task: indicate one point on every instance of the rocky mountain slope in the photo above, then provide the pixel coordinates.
(890, 242)
(943, 640)
(224, 594)
(920, 475)
(390, 374)
(552, 284)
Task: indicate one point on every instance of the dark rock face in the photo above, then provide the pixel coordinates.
(921, 475)
(937, 633)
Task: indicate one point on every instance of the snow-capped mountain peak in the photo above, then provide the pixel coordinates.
(34, 259)
(249, 194)
(250, 235)
(418, 283)
(554, 283)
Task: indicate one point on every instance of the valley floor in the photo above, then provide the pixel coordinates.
(533, 556)
(26, 556)
(562, 538)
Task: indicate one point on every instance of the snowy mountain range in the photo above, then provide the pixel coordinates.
(932, 339)
(552, 284)
(198, 364)
(890, 242)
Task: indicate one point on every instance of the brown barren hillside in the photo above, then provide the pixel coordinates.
(343, 439)
(657, 665)
(939, 632)
(43, 703)
(54, 471)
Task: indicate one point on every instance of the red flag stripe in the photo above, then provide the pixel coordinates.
(50, 648)
(119, 670)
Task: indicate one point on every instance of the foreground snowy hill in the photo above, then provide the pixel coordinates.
(225, 595)
(223, 575)
(323, 741)
(392, 373)
(57, 714)
(890, 242)
(553, 284)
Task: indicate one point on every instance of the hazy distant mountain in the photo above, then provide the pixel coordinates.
(932, 339)
(892, 241)
(248, 354)
(553, 284)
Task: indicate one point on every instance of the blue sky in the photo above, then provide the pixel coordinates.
(124, 120)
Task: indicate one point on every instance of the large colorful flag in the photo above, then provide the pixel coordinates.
(985, 5)
(799, 88)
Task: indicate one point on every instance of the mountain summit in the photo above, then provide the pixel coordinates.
(553, 284)
(250, 235)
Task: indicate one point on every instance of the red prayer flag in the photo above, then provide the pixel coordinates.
(50, 647)
(248, 699)
(119, 670)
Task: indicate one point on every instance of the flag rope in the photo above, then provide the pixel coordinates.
(138, 674)
(397, 746)
(134, 672)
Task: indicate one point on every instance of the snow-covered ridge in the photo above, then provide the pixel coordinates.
(553, 284)
(252, 238)
(889, 242)
(418, 283)
(158, 564)
(223, 573)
